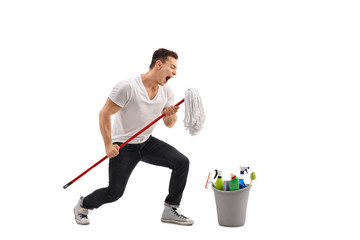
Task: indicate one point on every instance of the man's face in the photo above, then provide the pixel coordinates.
(167, 70)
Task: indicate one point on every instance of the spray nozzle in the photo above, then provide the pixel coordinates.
(217, 172)
(244, 169)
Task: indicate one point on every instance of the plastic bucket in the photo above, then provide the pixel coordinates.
(231, 206)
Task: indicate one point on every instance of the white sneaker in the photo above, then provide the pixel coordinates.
(173, 215)
(81, 213)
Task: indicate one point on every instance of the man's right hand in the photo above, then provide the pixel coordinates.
(112, 150)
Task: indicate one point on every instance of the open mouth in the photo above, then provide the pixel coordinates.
(167, 78)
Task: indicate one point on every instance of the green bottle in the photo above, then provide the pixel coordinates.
(233, 183)
(219, 184)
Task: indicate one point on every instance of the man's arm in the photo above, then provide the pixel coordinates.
(170, 115)
(109, 109)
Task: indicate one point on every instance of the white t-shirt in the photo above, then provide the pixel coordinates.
(137, 109)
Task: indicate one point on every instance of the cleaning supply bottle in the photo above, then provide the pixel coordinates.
(219, 184)
(226, 186)
(241, 178)
(233, 183)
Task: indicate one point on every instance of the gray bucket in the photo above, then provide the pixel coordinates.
(231, 206)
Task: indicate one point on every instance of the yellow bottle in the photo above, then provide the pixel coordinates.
(219, 184)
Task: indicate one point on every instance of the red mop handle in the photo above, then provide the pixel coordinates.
(122, 145)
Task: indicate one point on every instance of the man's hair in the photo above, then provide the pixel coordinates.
(162, 54)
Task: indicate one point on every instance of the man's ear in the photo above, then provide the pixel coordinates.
(158, 64)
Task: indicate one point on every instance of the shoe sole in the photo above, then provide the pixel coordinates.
(177, 222)
(79, 222)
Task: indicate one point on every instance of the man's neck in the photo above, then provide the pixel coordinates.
(149, 80)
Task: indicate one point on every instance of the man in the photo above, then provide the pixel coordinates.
(136, 102)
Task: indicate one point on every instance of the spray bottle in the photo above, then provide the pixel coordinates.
(219, 184)
(241, 178)
(233, 183)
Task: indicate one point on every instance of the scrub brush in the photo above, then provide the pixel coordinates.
(252, 177)
(208, 181)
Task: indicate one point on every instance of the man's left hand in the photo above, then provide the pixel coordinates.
(171, 110)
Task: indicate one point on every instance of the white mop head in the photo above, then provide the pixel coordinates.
(194, 112)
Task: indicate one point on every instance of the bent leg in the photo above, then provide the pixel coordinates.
(157, 152)
(120, 169)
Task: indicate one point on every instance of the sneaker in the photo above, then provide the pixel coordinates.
(81, 213)
(173, 215)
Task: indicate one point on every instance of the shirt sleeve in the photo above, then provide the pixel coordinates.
(121, 93)
(170, 97)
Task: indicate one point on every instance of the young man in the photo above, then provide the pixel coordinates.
(136, 102)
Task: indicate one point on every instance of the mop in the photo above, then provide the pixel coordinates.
(194, 112)
(193, 122)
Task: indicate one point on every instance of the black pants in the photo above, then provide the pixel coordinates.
(153, 151)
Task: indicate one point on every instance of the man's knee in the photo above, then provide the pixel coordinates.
(184, 162)
(114, 195)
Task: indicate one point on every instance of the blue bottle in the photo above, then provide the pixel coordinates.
(241, 178)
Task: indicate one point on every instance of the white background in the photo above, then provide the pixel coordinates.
(280, 86)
